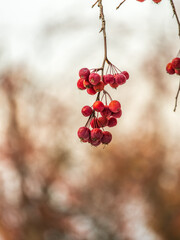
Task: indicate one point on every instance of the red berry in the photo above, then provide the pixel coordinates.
(94, 123)
(177, 71)
(94, 78)
(96, 143)
(114, 85)
(96, 134)
(98, 106)
(87, 84)
(84, 73)
(120, 78)
(84, 133)
(107, 137)
(86, 111)
(99, 87)
(117, 115)
(126, 74)
(176, 63)
(115, 106)
(157, 1)
(140, 0)
(102, 121)
(91, 91)
(80, 84)
(170, 69)
(108, 79)
(106, 112)
(112, 122)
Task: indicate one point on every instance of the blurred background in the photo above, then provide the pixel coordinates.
(52, 186)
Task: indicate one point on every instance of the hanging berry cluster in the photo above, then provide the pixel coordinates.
(102, 113)
(173, 66)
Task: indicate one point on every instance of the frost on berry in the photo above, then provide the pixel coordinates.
(84, 73)
(115, 106)
(98, 106)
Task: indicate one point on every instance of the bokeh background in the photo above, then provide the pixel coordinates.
(52, 186)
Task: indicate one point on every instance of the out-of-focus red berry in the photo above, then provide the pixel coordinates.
(99, 87)
(91, 91)
(96, 134)
(98, 106)
(84, 133)
(94, 123)
(108, 79)
(80, 84)
(107, 137)
(170, 69)
(84, 73)
(106, 112)
(120, 78)
(126, 74)
(176, 63)
(102, 121)
(86, 111)
(114, 85)
(157, 1)
(112, 121)
(115, 106)
(117, 115)
(87, 84)
(177, 71)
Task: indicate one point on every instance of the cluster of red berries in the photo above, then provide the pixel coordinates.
(100, 114)
(155, 1)
(173, 66)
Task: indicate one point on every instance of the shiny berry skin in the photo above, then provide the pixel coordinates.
(91, 91)
(106, 112)
(98, 106)
(84, 133)
(115, 106)
(99, 87)
(84, 73)
(170, 69)
(102, 121)
(94, 78)
(126, 74)
(108, 79)
(96, 134)
(112, 122)
(87, 84)
(86, 111)
(176, 63)
(94, 123)
(80, 84)
(117, 115)
(120, 78)
(107, 137)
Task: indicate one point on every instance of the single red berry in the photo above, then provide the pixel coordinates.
(114, 85)
(120, 78)
(94, 123)
(157, 1)
(102, 121)
(170, 69)
(91, 91)
(115, 106)
(80, 84)
(94, 78)
(117, 115)
(112, 122)
(86, 111)
(87, 84)
(99, 87)
(140, 0)
(107, 137)
(108, 79)
(177, 71)
(96, 143)
(176, 63)
(106, 112)
(96, 134)
(84, 133)
(126, 74)
(98, 106)
(84, 73)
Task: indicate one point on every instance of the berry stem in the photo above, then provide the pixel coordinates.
(120, 4)
(176, 98)
(176, 15)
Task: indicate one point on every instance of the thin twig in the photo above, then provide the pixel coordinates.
(120, 4)
(95, 3)
(176, 98)
(176, 15)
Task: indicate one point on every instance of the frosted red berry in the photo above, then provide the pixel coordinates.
(107, 137)
(112, 122)
(94, 78)
(120, 78)
(86, 111)
(98, 106)
(115, 106)
(84, 133)
(126, 74)
(84, 73)
(80, 84)
(108, 79)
